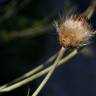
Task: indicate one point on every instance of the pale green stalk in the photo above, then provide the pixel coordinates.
(90, 10)
(40, 87)
(30, 73)
(39, 74)
(28, 92)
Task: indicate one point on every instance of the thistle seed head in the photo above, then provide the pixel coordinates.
(74, 31)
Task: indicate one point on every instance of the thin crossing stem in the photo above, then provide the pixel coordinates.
(30, 73)
(39, 74)
(40, 87)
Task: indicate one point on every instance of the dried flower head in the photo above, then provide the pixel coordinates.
(74, 31)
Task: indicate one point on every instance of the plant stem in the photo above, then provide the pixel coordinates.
(28, 92)
(39, 74)
(40, 87)
(30, 73)
(90, 10)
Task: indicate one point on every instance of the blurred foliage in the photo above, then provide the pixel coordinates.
(16, 23)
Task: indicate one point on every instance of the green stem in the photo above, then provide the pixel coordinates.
(30, 73)
(90, 10)
(40, 87)
(28, 94)
(39, 74)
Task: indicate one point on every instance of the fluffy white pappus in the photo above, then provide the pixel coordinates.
(74, 31)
